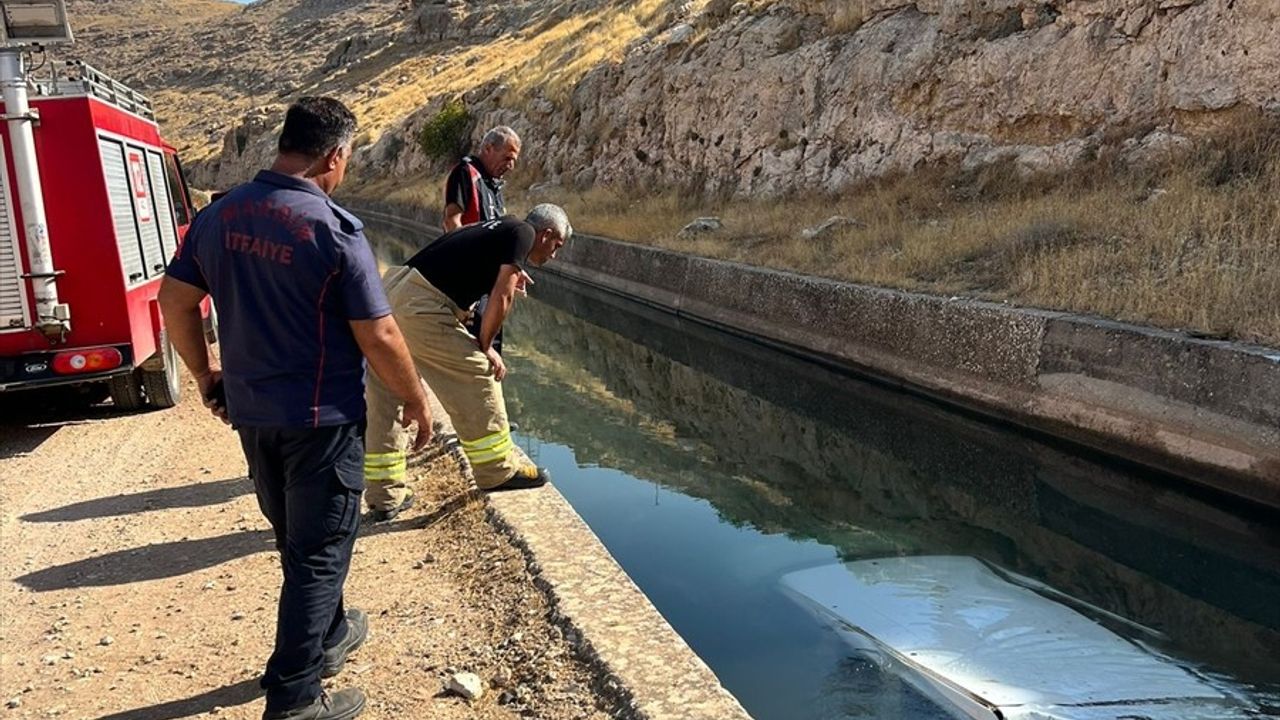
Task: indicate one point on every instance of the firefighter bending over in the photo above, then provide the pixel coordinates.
(428, 295)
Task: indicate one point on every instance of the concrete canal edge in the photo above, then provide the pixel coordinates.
(640, 661)
(608, 619)
(1205, 410)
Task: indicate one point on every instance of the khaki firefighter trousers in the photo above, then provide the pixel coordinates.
(450, 361)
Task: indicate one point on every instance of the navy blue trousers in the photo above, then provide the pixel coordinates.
(308, 482)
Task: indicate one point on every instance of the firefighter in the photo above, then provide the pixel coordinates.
(428, 295)
(297, 287)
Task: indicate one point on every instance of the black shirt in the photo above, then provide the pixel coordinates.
(464, 264)
(473, 189)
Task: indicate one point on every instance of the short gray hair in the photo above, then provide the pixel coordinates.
(551, 216)
(501, 136)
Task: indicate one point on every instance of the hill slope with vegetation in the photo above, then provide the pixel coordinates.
(1108, 156)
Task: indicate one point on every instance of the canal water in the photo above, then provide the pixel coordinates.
(715, 469)
(712, 467)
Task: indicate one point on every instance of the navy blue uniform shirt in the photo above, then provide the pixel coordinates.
(287, 269)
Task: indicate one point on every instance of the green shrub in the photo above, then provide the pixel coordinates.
(445, 135)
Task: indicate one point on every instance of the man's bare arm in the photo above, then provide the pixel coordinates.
(501, 298)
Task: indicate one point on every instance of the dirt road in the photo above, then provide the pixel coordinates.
(140, 582)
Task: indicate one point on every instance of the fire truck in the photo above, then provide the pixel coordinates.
(93, 203)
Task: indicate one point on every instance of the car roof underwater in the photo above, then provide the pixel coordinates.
(984, 644)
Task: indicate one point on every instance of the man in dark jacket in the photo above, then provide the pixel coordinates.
(301, 305)
(473, 192)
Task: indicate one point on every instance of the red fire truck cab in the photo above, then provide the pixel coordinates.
(117, 207)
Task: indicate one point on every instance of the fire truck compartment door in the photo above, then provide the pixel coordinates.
(122, 210)
(164, 206)
(13, 295)
(144, 202)
(140, 209)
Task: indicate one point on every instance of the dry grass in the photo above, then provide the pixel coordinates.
(1193, 244)
(847, 16)
(113, 16)
(549, 57)
(421, 191)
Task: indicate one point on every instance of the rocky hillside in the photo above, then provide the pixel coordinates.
(737, 97)
(210, 64)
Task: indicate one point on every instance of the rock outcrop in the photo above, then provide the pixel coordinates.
(779, 100)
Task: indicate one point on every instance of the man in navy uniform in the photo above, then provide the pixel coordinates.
(301, 307)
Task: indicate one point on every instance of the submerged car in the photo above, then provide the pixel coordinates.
(986, 644)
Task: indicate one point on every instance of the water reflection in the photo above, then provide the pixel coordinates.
(803, 465)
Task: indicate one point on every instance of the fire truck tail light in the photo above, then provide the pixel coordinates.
(91, 360)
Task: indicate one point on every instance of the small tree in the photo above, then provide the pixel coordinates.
(445, 135)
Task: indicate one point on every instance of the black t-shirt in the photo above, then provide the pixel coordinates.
(464, 264)
(471, 188)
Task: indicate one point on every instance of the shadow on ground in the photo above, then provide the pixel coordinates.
(29, 418)
(185, 496)
(150, 562)
(181, 557)
(241, 693)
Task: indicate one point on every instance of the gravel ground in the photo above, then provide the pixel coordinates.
(140, 582)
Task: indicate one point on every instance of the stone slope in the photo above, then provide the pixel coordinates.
(745, 97)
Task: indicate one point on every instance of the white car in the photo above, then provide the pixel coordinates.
(991, 645)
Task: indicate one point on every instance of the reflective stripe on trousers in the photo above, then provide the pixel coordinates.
(385, 467)
(488, 449)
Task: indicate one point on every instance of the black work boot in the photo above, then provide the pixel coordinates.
(342, 705)
(525, 477)
(357, 631)
(382, 516)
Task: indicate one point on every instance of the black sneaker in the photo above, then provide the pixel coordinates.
(357, 632)
(342, 705)
(527, 476)
(381, 516)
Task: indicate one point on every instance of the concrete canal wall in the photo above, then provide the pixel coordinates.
(1206, 410)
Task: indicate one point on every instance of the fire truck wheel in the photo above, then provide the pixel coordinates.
(126, 391)
(163, 385)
